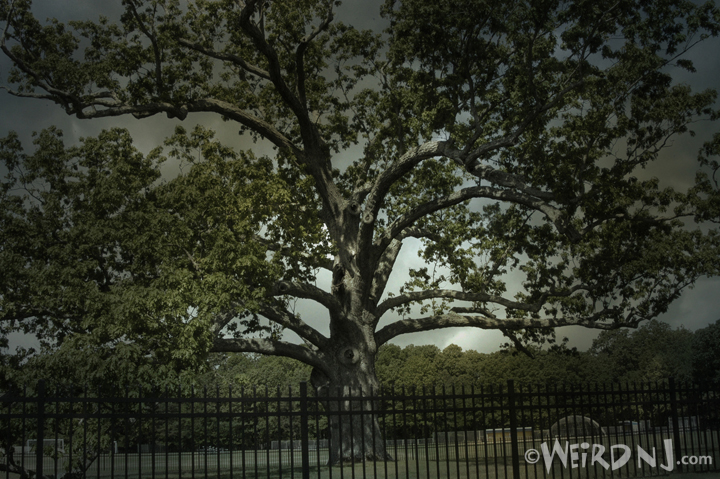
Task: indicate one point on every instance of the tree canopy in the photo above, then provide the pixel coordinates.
(507, 139)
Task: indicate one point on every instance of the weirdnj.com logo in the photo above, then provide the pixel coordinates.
(585, 454)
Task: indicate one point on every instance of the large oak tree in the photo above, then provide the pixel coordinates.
(505, 137)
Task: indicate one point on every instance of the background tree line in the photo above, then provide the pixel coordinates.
(653, 352)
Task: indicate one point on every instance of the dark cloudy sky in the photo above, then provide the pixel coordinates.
(695, 309)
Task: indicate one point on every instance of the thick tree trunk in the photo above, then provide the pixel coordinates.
(355, 433)
(349, 381)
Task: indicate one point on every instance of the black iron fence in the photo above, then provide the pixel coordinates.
(507, 431)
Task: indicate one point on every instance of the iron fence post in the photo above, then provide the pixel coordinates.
(675, 423)
(40, 440)
(304, 433)
(513, 430)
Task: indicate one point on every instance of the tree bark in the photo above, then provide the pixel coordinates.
(348, 393)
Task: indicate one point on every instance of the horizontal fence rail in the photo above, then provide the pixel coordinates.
(507, 431)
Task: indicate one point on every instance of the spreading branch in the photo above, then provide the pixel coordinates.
(278, 314)
(511, 196)
(307, 291)
(300, 55)
(414, 296)
(389, 256)
(453, 320)
(227, 57)
(157, 51)
(383, 271)
(467, 158)
(315, 155)
(271, 347)
(392, 174)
